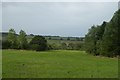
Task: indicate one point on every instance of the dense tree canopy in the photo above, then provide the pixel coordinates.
(38, 43)
(104, 39)
(5, 44)
(111, 37)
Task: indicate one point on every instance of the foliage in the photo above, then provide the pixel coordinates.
(23, 44)
(104, 39)
(68, 38)
(111, 37)
(5, 44)
(91, 41)
(12, 39)
(38, 43)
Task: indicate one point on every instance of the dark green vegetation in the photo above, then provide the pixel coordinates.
(57, 64)
(104, 39)
(13, 41)
(38, 43)
(23, 44)
(53, 42)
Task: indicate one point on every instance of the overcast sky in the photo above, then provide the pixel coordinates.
(56, 18)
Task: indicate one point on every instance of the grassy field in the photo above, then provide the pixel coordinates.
(57, 64)
(0, 64)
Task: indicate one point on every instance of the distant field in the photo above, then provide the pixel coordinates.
(62, 41)
(57, 64)
(57, 41)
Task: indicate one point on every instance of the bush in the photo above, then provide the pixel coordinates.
(6, 44)
(38, 43)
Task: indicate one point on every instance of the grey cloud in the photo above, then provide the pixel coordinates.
(65, 19)
(60, 0)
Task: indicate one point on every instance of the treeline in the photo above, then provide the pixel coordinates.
(15, 41)
(35, 42)
(58, 38)
(104, 39)
(64, 38)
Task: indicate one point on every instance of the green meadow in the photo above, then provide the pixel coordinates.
(0, 63)
(57, 64)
